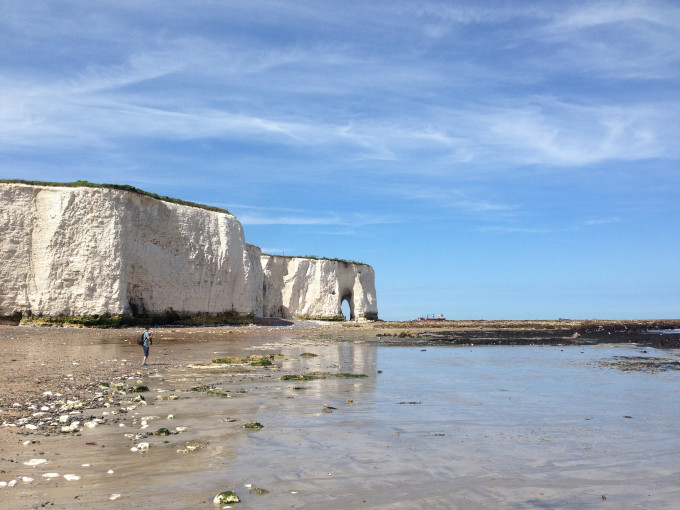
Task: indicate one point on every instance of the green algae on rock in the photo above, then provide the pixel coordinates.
(228, 361)
(226, 497)
(254, 360)
(217, 393)
(192, 446)
(320, 375)
(300, 377)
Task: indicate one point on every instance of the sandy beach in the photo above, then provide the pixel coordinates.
(391, 415)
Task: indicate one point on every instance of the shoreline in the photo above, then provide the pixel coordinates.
(404, 333)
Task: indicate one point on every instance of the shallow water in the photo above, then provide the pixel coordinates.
(461, 427)
(436, 427)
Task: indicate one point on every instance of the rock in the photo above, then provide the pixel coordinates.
(192, 446)
(73, 427)
(213, 267)
(35, 462)
(226, 497)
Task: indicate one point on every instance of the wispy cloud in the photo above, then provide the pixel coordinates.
(602, 221)
(358, 102)
(250, 215)
(512, 230)
(546, 131)
(620, 40)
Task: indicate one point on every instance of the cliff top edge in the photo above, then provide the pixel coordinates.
(132, 189)
(119, 187)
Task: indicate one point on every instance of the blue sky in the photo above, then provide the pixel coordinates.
(510, 162)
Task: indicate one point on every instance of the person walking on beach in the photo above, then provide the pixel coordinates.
(146, 342)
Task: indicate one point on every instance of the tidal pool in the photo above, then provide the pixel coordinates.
(465, 427)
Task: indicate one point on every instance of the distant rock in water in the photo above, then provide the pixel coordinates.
(70, 250)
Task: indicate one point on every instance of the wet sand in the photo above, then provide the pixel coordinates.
(430, 425)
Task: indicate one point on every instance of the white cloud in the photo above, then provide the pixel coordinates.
(602, 221)
(249, 215)
(620, 40)
(513, 230)
(356, 102)
(551, 132)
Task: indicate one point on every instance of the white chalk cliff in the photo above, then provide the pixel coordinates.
(83, 251)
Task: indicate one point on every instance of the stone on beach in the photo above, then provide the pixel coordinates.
(226, 497)
(35, 462)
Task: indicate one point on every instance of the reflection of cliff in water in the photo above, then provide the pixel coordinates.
(335, 365)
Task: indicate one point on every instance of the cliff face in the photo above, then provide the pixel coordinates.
(95, 251)
(302, 287)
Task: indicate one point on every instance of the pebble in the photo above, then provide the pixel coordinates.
(51, 475)
(114, 497)
(35, 462)
(71, 478)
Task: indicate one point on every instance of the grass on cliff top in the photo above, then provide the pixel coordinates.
(314, 257)
(120, 187)
(132, 189)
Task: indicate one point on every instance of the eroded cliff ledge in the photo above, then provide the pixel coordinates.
(86, 251)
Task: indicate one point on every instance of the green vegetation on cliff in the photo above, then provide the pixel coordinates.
(132, 189)
(120, 187)
(314, 257)
(123, 321)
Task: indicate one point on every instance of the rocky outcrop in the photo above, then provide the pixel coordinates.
(313, 288)
(85, 251)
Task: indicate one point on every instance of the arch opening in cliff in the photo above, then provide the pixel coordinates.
(347, 306)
